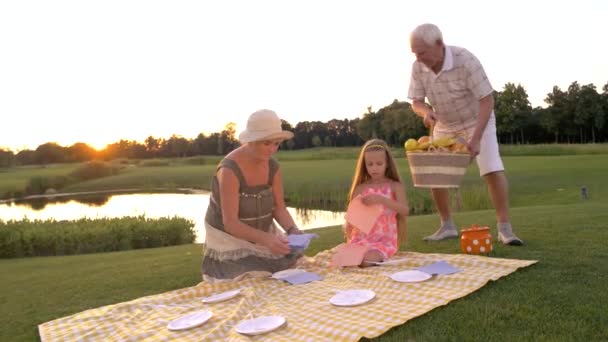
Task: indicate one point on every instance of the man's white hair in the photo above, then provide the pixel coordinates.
(428, 33)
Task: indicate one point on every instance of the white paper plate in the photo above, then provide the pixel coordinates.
(410, 276)
(352, 297)
(391, 262)
(218, 297)
(190, 320)
(259, 325)
(287, 273)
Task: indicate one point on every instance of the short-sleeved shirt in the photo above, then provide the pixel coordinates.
(455, 91)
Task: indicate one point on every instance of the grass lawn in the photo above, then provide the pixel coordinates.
(561, 298)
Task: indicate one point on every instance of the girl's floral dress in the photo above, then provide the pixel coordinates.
(383, 236)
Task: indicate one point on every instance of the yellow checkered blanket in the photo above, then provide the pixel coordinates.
(310, 316)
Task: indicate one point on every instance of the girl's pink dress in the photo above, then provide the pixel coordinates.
(383, 236)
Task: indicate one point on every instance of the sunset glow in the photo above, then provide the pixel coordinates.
(98, 72)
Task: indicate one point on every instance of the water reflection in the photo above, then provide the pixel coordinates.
(189, 206)
(41, 202)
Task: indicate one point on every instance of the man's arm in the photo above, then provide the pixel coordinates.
(486, 105)
(425, 112)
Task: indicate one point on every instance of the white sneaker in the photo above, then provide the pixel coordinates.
(506, 235)
(444, 232)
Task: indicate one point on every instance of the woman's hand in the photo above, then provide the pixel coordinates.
(373, 199)
(276, 244)
(294, 231)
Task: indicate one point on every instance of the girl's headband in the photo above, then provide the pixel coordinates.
(374, 146)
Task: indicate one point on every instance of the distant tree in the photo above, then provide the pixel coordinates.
(604, 100)
(152, 146)
(513, 111)
(80, 152)
(556, 115)
(316, 141)
(303, 135)
(212, 144)
(589, 113)
(287, 144)
(7, 158)
(26, 157)
(177, 146)
(352, 137)
(370, 126)
(51, 153)
(198, 144)
(123, 149)
(228, 141)
(399, 122)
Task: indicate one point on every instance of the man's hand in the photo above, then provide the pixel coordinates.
(474, 145)
(429, 119)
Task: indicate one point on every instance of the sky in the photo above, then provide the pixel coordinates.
(100, 71)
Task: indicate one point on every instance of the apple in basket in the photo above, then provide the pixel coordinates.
(424, 142)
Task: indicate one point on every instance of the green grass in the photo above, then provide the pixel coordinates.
(553, 149)
(561, 298)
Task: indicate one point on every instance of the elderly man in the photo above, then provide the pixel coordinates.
(461, 103)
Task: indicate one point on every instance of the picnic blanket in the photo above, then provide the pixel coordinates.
(310, 316)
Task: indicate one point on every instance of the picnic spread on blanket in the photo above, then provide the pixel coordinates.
(311, 302)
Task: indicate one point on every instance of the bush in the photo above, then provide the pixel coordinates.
(40, 184)
(199, 161)
(45, 238)
(94, 169)
(155, 162)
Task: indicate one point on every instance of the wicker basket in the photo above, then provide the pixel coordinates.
(436, 169)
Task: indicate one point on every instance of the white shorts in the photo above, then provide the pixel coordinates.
(488, 159)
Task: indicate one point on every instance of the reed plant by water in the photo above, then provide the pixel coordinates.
(26, 238)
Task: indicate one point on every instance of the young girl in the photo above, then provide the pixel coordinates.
(377, 180)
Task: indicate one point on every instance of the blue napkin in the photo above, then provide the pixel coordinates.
(440, 267)
(300, 241)
(302, 278)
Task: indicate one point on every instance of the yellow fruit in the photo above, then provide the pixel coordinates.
(411, 144)
(423, 145)
(443, 142)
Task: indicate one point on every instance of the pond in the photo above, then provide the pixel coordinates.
(189, 206)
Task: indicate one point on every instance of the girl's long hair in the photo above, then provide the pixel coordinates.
(361, 176)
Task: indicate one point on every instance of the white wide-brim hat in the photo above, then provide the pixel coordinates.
(264, 125)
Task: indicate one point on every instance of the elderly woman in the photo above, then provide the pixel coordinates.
(246, 197)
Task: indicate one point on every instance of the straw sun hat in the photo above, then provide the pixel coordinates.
(263, 125)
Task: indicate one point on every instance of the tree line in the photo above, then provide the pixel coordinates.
(576, 115)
